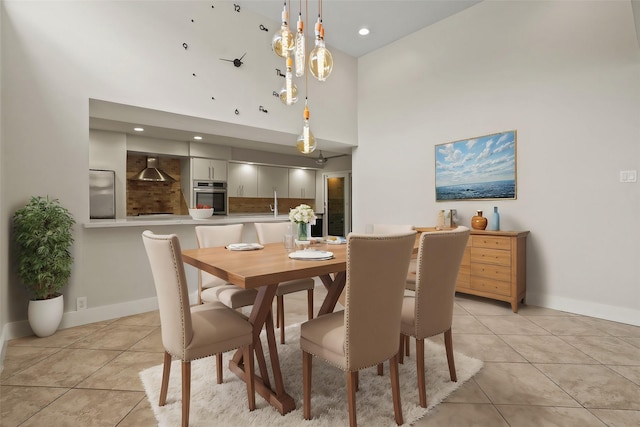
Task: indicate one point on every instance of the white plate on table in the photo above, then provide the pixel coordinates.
(244, 246)
(311, 255)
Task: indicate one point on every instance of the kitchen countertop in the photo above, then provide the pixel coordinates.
(144, 221)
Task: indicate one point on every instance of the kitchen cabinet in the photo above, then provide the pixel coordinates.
(243, 180)
(494, 266)
(273, 178)
(208, 169)
(302, 184)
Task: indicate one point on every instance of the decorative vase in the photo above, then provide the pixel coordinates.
(303, 231)
(478, 222)
(494, 224)
(45, 315)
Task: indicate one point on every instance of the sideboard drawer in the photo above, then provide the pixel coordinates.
(494, 266)
(490, 256)
(489, 271)
(491, 242)
(491, 286)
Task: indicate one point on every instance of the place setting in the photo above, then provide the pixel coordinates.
(244, 246)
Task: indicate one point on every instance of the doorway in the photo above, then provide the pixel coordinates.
(337, 204)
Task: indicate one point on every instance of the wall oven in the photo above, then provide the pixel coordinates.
(212, 193)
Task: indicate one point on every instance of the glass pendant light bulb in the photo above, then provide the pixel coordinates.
(306, 141)
(320, 59)
(300, 48)
(284, 40)
(289, 92)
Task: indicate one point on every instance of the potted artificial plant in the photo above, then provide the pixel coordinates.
(42, 231)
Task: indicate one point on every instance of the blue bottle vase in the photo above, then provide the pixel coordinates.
(494, 224)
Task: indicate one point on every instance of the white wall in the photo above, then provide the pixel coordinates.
(56, 55)
(566, 76)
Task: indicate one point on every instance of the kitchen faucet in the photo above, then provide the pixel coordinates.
(274, 208)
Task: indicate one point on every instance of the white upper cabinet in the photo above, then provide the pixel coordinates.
(243, 180)
(302, 183)
(208, 169)
(273, 178)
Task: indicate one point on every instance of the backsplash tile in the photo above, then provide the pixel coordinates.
(145, 197)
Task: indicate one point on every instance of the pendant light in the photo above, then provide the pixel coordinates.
(306, 141)
(283, 40)
(289, 92)
(320, 59)
(300, 49)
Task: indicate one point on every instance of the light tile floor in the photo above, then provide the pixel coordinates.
(542, 368)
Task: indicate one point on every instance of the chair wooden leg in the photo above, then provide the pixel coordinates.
(166, 370)
(280, 319)
(380, 369)
(219, 367)
(279, 309)
(395, 389)
(310, 304)
(306, 385)
(186, 392)
(422, 392)
(352, 380)
(407, 342)
(401, 348)
(249, 371)
(448, 343)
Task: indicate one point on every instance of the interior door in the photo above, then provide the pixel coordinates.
(337, 204)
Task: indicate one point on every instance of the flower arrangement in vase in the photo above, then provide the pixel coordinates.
(304, 216)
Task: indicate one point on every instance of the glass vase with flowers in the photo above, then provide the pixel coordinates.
(303, 216)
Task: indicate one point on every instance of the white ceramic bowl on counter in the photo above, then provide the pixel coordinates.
(201, 213)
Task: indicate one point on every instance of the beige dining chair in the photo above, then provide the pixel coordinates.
(192, 333)
(365, 333)
(212, 288)
(399, 228)
(429, 311)
(273, 232)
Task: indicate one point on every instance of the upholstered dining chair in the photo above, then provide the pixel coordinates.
(429, 311)
(212, 288)
(192, 333)
(399, 228)
(273, 232)
(364, 334)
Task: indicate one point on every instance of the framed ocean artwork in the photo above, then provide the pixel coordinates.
(477, 168)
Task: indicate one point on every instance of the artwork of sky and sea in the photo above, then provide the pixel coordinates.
(477, 168)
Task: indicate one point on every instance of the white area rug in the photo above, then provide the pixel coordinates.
(226, 404)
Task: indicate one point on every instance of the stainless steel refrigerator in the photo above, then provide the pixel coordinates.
(102, 194)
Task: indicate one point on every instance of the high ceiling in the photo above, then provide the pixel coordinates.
(388, 20)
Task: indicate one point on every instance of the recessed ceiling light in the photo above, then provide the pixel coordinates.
(139, 129)
(197, 137)
(364, 31)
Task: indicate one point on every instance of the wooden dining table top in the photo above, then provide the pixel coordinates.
(251, 269)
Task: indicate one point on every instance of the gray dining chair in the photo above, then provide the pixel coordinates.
(190, 333)
(429, 311)
(273, 232)
(366, 332)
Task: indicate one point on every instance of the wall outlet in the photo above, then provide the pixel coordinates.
(81, 303)
(629, 176)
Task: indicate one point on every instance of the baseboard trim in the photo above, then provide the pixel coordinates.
(90, 315)
(601, 311)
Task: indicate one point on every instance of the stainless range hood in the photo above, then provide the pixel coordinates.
(152, 172)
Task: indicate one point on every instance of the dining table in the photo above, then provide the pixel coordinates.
(262, 269)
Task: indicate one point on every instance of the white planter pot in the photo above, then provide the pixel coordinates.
(45, 315)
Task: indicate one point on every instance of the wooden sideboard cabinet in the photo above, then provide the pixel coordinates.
(494, 266)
